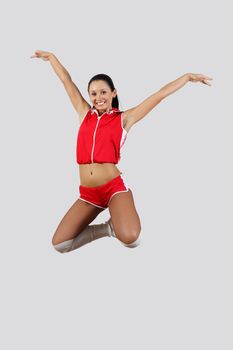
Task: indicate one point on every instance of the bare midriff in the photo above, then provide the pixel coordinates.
(96, 174)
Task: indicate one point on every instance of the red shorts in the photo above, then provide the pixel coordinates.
(100, 196)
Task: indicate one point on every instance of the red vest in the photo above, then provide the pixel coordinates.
(100, 138)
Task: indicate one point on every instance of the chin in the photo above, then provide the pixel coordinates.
(101, 108)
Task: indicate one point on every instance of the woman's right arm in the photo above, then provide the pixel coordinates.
(77, 100)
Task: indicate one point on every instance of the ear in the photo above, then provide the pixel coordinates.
(115, 93)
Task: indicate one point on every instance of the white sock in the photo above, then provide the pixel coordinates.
(89, 234)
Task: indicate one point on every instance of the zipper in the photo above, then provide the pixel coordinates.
(92, 152)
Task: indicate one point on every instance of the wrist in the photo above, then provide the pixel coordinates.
(188, 75)
(51, 55)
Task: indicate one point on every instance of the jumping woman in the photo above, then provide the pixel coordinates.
(102, 132)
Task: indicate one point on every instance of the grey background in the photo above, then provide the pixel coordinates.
(175, 290)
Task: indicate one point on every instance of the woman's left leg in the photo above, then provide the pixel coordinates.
(124, 218)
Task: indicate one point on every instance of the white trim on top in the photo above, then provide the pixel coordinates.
(94, 110)
(122, 124)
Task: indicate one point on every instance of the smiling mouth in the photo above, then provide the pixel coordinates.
(100, 104)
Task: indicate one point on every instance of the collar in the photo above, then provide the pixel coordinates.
(112, 110)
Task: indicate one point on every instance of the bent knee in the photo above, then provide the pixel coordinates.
(131, 239)
(63, 247)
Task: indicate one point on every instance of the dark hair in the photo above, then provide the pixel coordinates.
(105, 77)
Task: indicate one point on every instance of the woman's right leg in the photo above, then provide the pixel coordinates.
(74, 230)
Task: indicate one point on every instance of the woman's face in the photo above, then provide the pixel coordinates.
(101, 95)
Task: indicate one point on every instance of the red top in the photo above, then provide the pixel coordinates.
(100, 138)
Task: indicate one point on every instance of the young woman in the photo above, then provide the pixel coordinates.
(102, 132)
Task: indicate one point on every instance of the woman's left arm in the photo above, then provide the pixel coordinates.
(180, 82)
(137, 113)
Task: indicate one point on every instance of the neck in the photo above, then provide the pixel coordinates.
(101, 111)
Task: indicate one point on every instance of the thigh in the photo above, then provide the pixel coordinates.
(75, 220)
(124, 216)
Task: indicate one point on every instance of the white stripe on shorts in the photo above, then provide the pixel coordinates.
(125, 183)
(92, 203)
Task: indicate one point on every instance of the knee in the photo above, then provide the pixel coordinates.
(133, 244)
(63, 247)
(131, 239)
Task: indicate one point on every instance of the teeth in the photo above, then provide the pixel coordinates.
(100, 103)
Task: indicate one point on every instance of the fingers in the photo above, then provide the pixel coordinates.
(205, 80)
(38, 54)
(200, 77)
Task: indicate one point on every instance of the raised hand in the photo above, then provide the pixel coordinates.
(42, 54)
(199, 77)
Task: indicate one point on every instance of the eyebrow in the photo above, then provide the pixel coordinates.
(100, 89)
